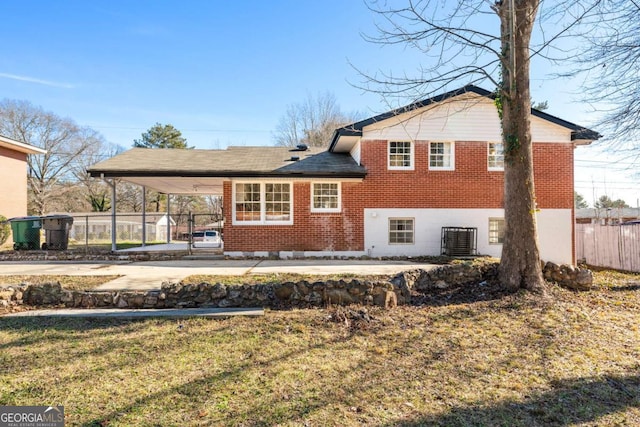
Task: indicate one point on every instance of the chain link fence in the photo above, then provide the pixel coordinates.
(94, 229)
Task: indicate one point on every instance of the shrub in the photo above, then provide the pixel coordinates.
(5, 230)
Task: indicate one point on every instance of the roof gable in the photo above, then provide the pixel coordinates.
(353, 131)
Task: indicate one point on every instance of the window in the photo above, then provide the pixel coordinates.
(496, 231)
(325, 197)
(278, 202)
(495, 159)
(400, 156)
(441, 155)
(262, 202)
(401, 230)
(247, 202)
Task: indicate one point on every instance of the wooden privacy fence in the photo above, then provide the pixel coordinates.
(614, 246)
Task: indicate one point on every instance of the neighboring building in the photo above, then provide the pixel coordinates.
(162, 224)
(419, 180)
(607, 216)
(13, 176)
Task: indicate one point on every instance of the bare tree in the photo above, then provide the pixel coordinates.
(128, 197)
(610, 62)
(214, 207)
(70, 198)
(63, 139)
(461, 45)
(311, 122)
(95, 192)
(182, 206)
(520, 260)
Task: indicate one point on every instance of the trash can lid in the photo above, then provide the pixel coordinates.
(24, 218)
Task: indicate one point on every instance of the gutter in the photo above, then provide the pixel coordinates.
(247, 174)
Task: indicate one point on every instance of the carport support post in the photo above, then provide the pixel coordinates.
(144, 216)
(190, 231)
(168, 219)
(113, 215)
(86, 234)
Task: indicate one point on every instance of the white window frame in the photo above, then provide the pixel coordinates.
(263, 204)
(313, 196)
(413, 231)
(451, 155)
(497, 240)
(498, 159)
(411, 156)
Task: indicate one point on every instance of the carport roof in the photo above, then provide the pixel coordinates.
(181, 171)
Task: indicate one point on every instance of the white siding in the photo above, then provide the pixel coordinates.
(555, 235)
(471, 120)
(554, 230)
(355, 152)
(544, 131)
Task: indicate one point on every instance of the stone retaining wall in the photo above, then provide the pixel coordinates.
(568, 276)
(176, 295)
(445, 276)
(397, 290)
(90, 256)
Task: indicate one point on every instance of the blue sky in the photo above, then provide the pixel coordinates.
(223, 73)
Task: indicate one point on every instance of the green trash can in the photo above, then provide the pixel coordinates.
(56, 230)
(26, 232)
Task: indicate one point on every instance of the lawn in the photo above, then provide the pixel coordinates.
(518, 360)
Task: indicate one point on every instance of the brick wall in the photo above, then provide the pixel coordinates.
(553, 175)
(470, 185)
(13, 183)
(310, 231)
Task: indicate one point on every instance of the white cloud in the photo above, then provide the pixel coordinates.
(37, 81)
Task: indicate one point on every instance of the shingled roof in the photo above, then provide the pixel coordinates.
(232, 162)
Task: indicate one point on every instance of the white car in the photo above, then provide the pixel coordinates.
(207, 239)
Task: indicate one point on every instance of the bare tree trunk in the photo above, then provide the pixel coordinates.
(520, 262)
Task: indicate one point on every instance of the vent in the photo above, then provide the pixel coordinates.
(302, 147)
(294, 158)
(459, 241)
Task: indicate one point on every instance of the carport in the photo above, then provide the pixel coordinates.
(167, 171)
(203, 172)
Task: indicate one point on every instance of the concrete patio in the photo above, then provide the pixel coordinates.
(149, 275)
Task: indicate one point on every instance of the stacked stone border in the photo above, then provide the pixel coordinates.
(397, 291)
(77, 255)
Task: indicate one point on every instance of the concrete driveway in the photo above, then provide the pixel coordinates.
(150, 274)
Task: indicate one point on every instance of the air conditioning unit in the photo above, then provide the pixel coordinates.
(459, 241)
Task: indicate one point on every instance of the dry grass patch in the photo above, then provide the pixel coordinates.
(615, 279)
(570, 359)
(72, 283)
